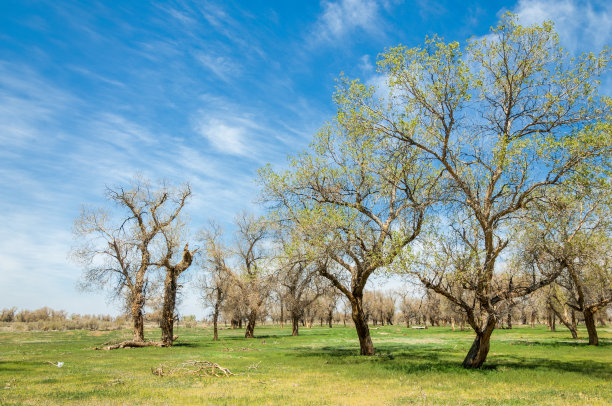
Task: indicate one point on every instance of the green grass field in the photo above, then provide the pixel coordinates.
(320, 367)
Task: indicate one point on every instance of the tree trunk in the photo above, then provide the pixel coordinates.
(567, 322)
(251, 325)
(330, 318)
(137, 317)
(295, 324)
(167, 319)
(480, 347)
(215, 318)
(509, 320)
(589, 322)
(366, 347)
(282, 314)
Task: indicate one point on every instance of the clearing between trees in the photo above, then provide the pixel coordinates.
(320, 366)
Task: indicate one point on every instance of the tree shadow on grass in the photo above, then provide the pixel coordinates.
(189, 344)
(562, 343)
(410, 359)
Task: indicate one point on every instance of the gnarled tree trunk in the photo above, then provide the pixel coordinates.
(137, 316)
(167, 319)
(251, 325)
(366, 347)
(477, 354)
(295, 324)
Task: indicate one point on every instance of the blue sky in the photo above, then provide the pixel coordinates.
(207, 92)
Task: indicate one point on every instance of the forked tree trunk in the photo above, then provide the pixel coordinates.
(251, 325)
(589, 322)
(477, 354)
(137, 317)
(366, 347)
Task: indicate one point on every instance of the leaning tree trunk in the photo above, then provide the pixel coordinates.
(366, 347)
(477, 354)
(167, 319)
(589, 322)
(251, 325)
(137, 317)
(567, 322)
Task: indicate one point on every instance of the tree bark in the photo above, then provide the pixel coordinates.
(282, 314)
(589, 322)
(170, 288)
(167, 319)
(366, 347)
(215, 319)
(137, 317)
(250, 325)
(477, 354)
(295, 324)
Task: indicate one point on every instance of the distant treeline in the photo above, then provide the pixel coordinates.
(46, 318)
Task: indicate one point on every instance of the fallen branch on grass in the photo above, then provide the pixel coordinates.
(198, 368)
(134, 344)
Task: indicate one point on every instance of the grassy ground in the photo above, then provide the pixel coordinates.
(525, 366)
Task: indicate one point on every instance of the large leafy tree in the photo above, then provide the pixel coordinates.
(501, 120)
(355, 199)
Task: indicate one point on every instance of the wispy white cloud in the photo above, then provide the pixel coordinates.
(229, 138)
(365, 64)
(580, 23)
(340, 18)
(224, 68)
(28, 105)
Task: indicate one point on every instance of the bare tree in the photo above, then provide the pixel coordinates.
(117, 250)
(572, 231)
(247, 265)
(215, 285)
